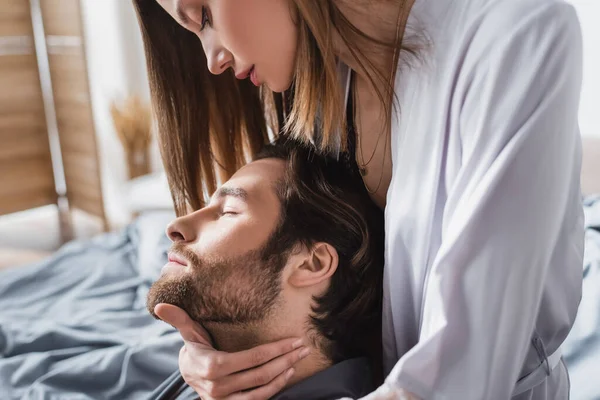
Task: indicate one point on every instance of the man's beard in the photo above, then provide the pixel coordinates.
(238, 290)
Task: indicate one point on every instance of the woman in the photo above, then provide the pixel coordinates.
(464, 115)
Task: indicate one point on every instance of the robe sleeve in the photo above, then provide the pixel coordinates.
(517, 101)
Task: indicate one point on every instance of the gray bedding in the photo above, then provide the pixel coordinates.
(76, 326)
(581, 350)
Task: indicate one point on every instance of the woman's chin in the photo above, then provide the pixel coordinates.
(279, 87)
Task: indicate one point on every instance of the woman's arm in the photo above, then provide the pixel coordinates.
(516, 193)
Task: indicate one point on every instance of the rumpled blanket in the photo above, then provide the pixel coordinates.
(75, 326)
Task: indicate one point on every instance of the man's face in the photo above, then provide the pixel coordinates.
(218, 271)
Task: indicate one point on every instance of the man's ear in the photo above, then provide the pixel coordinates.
(316, 265)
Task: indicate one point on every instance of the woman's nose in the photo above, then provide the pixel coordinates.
(219, 62)
(182, 230)
(218, 58)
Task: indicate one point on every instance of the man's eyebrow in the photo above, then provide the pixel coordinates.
(181, 14)
(225, 191)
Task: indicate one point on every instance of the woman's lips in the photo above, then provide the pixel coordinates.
(249, 73)
(253, 77)
(244, 75)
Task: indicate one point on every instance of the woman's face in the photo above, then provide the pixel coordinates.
(256, 38)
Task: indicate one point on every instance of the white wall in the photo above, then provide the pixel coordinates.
(589, 115)
(117, 69)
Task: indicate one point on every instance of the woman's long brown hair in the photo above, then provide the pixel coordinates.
(211, 125)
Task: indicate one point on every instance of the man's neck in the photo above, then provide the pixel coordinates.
(234, 338)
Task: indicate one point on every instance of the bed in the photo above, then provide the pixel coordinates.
(581, 350)
(75, 326)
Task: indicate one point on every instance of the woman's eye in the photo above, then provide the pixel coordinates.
(227, 212)
(205, 19)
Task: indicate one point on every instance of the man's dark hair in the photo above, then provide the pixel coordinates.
(325, 200)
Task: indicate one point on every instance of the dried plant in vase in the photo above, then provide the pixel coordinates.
(133, 122)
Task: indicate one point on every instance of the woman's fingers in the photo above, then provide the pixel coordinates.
(218, 374)
(231, 363)
(256, 377)
(211, 365)
(214, 374)
(190, 330)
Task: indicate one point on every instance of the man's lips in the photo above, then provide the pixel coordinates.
(177, 259)
(175, 264)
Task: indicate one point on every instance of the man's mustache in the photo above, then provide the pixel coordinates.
(185, 252)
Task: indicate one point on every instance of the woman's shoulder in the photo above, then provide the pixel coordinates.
(463, 34)
(448, 21)
(505, 20)
(475, 32)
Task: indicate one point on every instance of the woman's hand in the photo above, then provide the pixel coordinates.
(216, 374)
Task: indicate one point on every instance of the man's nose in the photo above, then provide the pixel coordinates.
(218, 58)
(183, 230)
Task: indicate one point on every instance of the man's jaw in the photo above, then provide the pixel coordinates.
(234, 337)
(239, 337)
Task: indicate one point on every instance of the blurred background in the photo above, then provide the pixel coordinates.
(78, 157)
(77, 148)
(75, 129)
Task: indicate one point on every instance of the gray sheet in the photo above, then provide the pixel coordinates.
(76, 327)
(581, 350)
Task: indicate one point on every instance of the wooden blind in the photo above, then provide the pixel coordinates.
(26, 177)
(68, 70)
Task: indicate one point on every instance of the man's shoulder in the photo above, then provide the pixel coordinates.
(351, 378)
(174, 388)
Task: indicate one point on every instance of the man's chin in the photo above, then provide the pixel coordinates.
(175, 289)
(169, 289)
